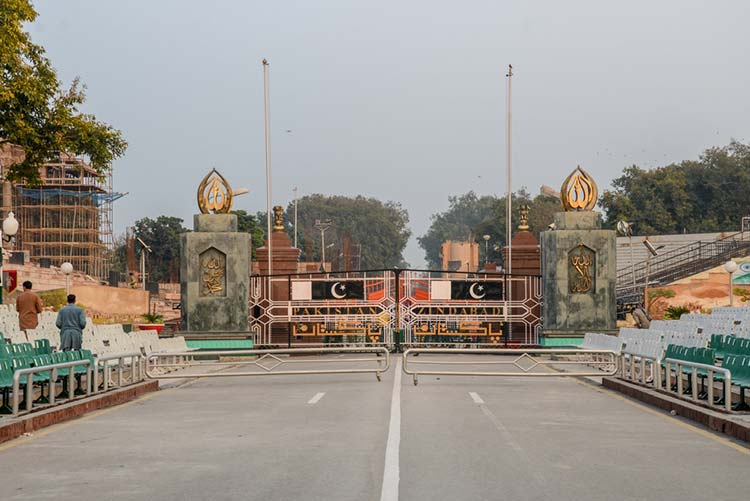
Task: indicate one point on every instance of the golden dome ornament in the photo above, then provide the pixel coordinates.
(579, 191)
(214, 194)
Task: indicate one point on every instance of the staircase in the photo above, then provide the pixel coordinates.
(676, 264)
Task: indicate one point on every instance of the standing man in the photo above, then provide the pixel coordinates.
(28, 306)
(71, 321)
(641, 317)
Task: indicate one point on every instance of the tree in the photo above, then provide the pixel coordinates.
(690, 197)
(248, 223)
(469, 217)
(163, 236)
(366, 233)
(36, 112)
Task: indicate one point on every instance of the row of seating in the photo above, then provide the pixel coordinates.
(22, 356)
(596, 341)
(737, 365)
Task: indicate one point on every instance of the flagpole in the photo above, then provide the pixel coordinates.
(509, 206)
(266, 110)
(509, 158)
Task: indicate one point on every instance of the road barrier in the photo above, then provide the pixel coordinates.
(137, 369)
(695, 371)
(53, 371)
(267, 361)
(526, 362)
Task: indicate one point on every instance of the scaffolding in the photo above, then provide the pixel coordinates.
(67, 217)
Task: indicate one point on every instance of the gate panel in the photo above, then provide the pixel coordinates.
(323, 308)
(447, 308)
(435, 308)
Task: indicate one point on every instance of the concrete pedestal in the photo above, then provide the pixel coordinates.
(579, 270)
(215, 275)
(284, 260)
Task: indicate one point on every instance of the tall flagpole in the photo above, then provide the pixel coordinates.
(509, 158)
(509, 206)
(266, 106)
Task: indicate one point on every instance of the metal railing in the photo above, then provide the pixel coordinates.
(267, 361)
(678, 263)
(637, 371)
(137, 369)
(726, 402)
(137, 374)
(52, 369)
(525, 362)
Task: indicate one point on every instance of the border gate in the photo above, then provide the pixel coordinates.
(394, 307)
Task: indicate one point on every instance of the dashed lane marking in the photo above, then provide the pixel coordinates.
(316, 398)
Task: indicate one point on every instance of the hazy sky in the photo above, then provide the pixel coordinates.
(400, 100)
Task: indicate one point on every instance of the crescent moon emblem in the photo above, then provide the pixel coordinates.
(474, 294)
(336, 294)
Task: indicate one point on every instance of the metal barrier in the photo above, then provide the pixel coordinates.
(137, 369)
(636, 370)
(52, 369)
(525, 361)
(726, 402)
(272, 359)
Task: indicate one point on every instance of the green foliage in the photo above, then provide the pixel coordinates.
(655, 295)
(36, 112)
(55, 298)
(153, 318)
(380, 228)
(163, 236)
(469, 217)
(742, 293)
(675, 312)
(692, 196)
(248, 223)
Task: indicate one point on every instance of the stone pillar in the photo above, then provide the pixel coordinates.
(579, 268)
(284, 261)
(215, 275)
(526, 258)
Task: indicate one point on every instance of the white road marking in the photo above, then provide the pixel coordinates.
(508, 436)
(316, 398)
(391, 470)
(476, 398)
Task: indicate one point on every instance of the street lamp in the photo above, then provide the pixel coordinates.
(730, 267)
(626, 229)
(10, 228)
(652, 252)
(322, 226)
(67, 268)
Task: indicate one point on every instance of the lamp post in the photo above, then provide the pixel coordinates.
(730, 267)
(322, 226)
(10, 228)
(67, 268)
(626, 229)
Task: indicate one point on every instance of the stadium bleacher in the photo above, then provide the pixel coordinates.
(702, 348)
(104, 348)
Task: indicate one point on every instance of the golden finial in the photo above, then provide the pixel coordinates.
(579, 191)
(278, 218)
(214, 194)
(523, 215)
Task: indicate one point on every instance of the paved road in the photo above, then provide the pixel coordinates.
(325, 437)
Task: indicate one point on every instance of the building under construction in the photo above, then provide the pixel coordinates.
(67, 217)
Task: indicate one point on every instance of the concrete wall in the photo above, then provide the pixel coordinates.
(104, 300)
